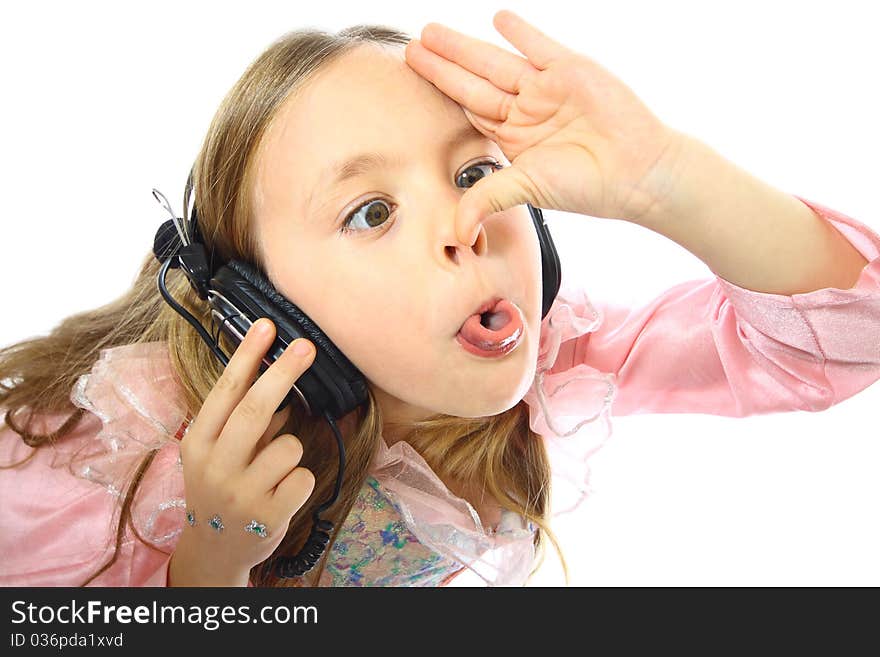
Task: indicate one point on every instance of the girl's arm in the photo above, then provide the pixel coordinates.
(746, 231)
(710, 346)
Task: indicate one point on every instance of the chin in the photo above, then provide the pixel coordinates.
(495, 397)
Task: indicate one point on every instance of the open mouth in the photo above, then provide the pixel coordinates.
(494, 331)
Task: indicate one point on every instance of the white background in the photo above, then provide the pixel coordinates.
(102, 102)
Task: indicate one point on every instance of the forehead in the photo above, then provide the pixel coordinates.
(367, 99)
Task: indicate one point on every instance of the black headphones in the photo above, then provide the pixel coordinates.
(239, 295)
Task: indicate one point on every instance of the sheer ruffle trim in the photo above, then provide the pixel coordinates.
(570, 407)
(132, 389)
(449, 525)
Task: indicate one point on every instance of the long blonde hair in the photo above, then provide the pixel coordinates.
(499, 452)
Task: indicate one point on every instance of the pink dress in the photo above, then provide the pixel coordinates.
(703, 346)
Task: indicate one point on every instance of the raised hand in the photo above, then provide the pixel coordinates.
(578, 139)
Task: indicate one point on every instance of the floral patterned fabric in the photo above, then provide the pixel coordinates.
(397, 558)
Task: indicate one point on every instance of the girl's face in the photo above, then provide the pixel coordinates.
(393, 292)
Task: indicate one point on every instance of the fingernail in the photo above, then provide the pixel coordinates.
(302, 347)
(473, 236)
(261, 326)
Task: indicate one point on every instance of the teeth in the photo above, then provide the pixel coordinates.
(493, 321)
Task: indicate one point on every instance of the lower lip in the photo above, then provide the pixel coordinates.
(496, 344)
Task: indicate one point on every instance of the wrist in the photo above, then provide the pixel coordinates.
(189, 567)
(677, 184)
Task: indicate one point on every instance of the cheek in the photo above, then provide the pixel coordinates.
(525, 268)
(379, 318)
(376, 328)
(394, 347)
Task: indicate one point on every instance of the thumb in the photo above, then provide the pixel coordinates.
(506, 188)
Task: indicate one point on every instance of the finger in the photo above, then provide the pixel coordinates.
(273, 463)
(529, 40)
(502, 68)
(276, 424)
(458, 83)
(251, 417)
(237, 377)
(293, 491)
(495, 193)
(484, 124)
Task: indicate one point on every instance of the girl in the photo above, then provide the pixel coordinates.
(177, 472)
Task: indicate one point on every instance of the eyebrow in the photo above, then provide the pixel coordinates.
(362, 163)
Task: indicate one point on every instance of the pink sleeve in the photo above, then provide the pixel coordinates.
(160, 574)
(709, 346)
(57, 529)
(60, 503)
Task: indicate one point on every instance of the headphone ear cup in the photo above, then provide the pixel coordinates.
(551, 268)
(332, 383)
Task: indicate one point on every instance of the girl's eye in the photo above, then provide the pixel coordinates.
(378, 210)
(470, 178)
(375, 215)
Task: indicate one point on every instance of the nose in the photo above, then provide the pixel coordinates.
(455, 247)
